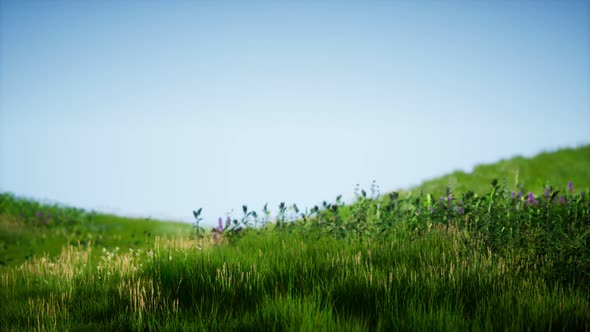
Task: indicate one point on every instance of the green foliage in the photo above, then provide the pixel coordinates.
(496, 259)
(200, 232)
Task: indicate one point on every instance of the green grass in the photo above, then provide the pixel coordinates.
(555, 168)
(437, 281)
(413, 262)
(23, 234)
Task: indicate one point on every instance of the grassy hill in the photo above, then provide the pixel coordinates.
(534, 174)
(409, 263)
(29, 228)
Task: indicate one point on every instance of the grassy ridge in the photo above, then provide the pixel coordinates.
(411, 262)
(555, 168)
(29, 228)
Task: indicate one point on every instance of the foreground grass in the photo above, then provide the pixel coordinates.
(439, 280)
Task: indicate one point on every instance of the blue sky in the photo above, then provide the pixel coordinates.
(159, 108)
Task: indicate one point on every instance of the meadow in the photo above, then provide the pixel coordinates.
(513, 253)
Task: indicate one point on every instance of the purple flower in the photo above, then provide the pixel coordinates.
(531, 200)
(227, 222)
(562, 200)
(39, 214)
(459, 210)
(512, 195)
(519, 196)
(547, 192)
(220, 226)
(217, 231)
(570, 187)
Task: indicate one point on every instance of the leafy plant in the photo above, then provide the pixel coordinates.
(200, 232)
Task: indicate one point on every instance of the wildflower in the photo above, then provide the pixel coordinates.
(220, 225)
(219, 229)
(39, 214)
(459, 210)
(531, 199)
(519, 196)
(570, 187)
(547, 192)
(227, 222)
(562, 200)
(512, 195)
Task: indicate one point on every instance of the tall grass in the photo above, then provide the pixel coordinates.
(476, 262)
(436, 281)
(513, 255)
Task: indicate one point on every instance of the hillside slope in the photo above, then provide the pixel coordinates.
(29, 228)
(534, 174)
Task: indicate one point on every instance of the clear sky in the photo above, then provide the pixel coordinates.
(156, 108)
